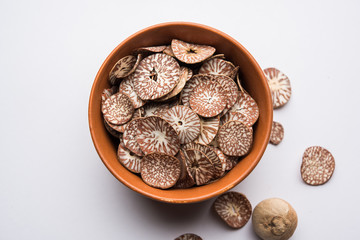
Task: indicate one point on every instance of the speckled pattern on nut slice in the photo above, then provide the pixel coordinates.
(108, 93)
(122, 68)
(127, 87)
(168, 51)
(129, 137)
(279, 85)
(208, 99)
(157, 108)
(230, 88)
(191, 53)
(185, 122)
(128, 159)
(235, 116)
(198, 165)
(179, 87)
(185, 179)
(152, 49)
(208, 130)
(117, 109)
(233, 208)
(247, 106)
(156, 76)
(277, 133)
(235, 139)
(121, 128)
(188, 236)
(154, 134)
(217, 66)
(318, 165)
(191, 85)
(223, 158)
(160, 170)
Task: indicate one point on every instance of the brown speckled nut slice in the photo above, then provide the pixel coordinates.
(235, 116)
(191, 53)
(234, 208)
(129, 137)
(247, 106)
(157, 108)
(169, 51)
(318, 165)
(160, 170)
(108, 93)
(127, 87)
(231, 162)
(185, 179)
(188, 236)
(217, 66)
(191, 85)
(128, 159)
(156, 76)
(122, 68)
(208, 130)
(154, 134)
(189, 72)
(277, 133)
(198, 165)
(179, 87)
(230, 88)
(279, 85)
(235, 139)
(121, 128)
(208, 99)
(117, 109)
(222, 157)
(153, 49)
(185, 122)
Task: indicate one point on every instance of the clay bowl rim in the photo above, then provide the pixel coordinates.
(204, 192)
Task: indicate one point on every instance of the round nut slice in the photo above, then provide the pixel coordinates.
(318, 165)
(247, 106)
(154, 134)
(279, 85)
(191, 53)
(156, 76)
(153, 49)
(179, 87)
(235, 116)
(129, 137)
(121, 128)
(230, 88)
(277, 133)
(185, 122)
(169, 51)
(117, 109)
(235, 139)
(199, 166)
(128, 159)
(185, 179)
(208, 130)
(127, 87)
(217, 66)
(191, 85)
(208, 99)
(122, 68)
(160, 170)
(188, 236)
(108, 93)
(234, 208)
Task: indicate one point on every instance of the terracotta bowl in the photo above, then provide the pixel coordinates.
(253, 81)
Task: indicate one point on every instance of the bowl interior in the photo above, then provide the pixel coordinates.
(253, 81)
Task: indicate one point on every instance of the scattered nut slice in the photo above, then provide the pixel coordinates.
(246, 105)
(122, 68)
(191, 53)
(318, 165)
(158, 108)
(129, 137)
(128, 159)
(117, 109)
(188, 236)
(235, 116)
(179, 87)
(277, 133)
(108, 93)
(154, 134)
(127, 87)
(185, 122)
(217, 66)
(199, 166)
(208, 130)
(234, 208)
(279, 85)
(230, 88)
(208, 99)
(121, 128)
(156, 76)
(160, 170)
(235, 139)
(191, 85)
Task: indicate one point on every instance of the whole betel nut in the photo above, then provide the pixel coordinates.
(274, 219)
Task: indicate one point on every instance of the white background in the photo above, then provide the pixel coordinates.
(53, 185)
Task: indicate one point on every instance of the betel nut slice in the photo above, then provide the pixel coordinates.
(128, 159)
(208, 99)
(188, 236)
(235, 138)
(129, 137)
(208, 130)
(154, 134)
(233, 208)
(127, 87)
(185, 122)
(318, 165)
(191, 85)
(113, 132)
(191, 53)
(199, 166)
(247, 106)
(230, 88)
(217, 66)
(277, 133)
(279, 85)
(185, 179)
(160, 170)
(108, 93)
(121, 128)
(156, 76)
(117, 109)
(153, 49)
(235, 116)
(122, 68)
(179, 87)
